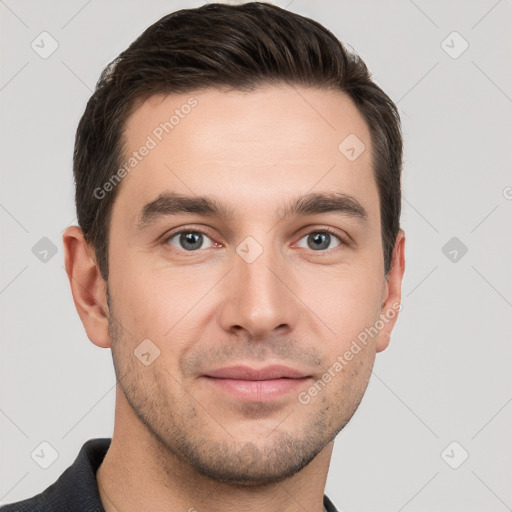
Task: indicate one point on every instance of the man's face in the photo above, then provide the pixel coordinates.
(221, 295)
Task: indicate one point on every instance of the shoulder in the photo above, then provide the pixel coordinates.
(75, 490)
(34, 504)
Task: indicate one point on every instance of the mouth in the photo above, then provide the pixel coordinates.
(256, 384)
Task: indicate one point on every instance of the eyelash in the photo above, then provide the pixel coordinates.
(342, 241)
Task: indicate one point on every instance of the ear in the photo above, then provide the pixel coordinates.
(87, 286)
(392, 295)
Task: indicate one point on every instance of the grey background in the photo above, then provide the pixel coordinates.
(446, 375)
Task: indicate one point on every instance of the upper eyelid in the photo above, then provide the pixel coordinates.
(191, 229)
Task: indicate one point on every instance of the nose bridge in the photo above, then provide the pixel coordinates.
(260, 301)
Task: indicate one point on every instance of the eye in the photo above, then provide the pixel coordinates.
(321, 240)
(195, 240)
(190, 241)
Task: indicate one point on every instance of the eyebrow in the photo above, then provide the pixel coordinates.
(172, 204)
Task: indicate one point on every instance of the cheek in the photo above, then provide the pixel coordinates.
(346, 301)
(162, 306)
(137, 301)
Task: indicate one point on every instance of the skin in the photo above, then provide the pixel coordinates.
(179, 442)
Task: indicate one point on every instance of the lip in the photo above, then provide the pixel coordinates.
(256, 384)
(248, 373)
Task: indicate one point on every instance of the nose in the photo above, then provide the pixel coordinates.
(259, 298)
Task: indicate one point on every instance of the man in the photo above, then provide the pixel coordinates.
(239, 250)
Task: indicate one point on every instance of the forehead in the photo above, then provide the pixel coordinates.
(251, 148)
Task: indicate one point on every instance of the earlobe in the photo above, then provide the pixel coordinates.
(393, 292)
(87, 286)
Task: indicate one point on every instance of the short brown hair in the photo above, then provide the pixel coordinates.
(242, 47)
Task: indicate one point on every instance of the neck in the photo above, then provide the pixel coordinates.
(139, 474)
